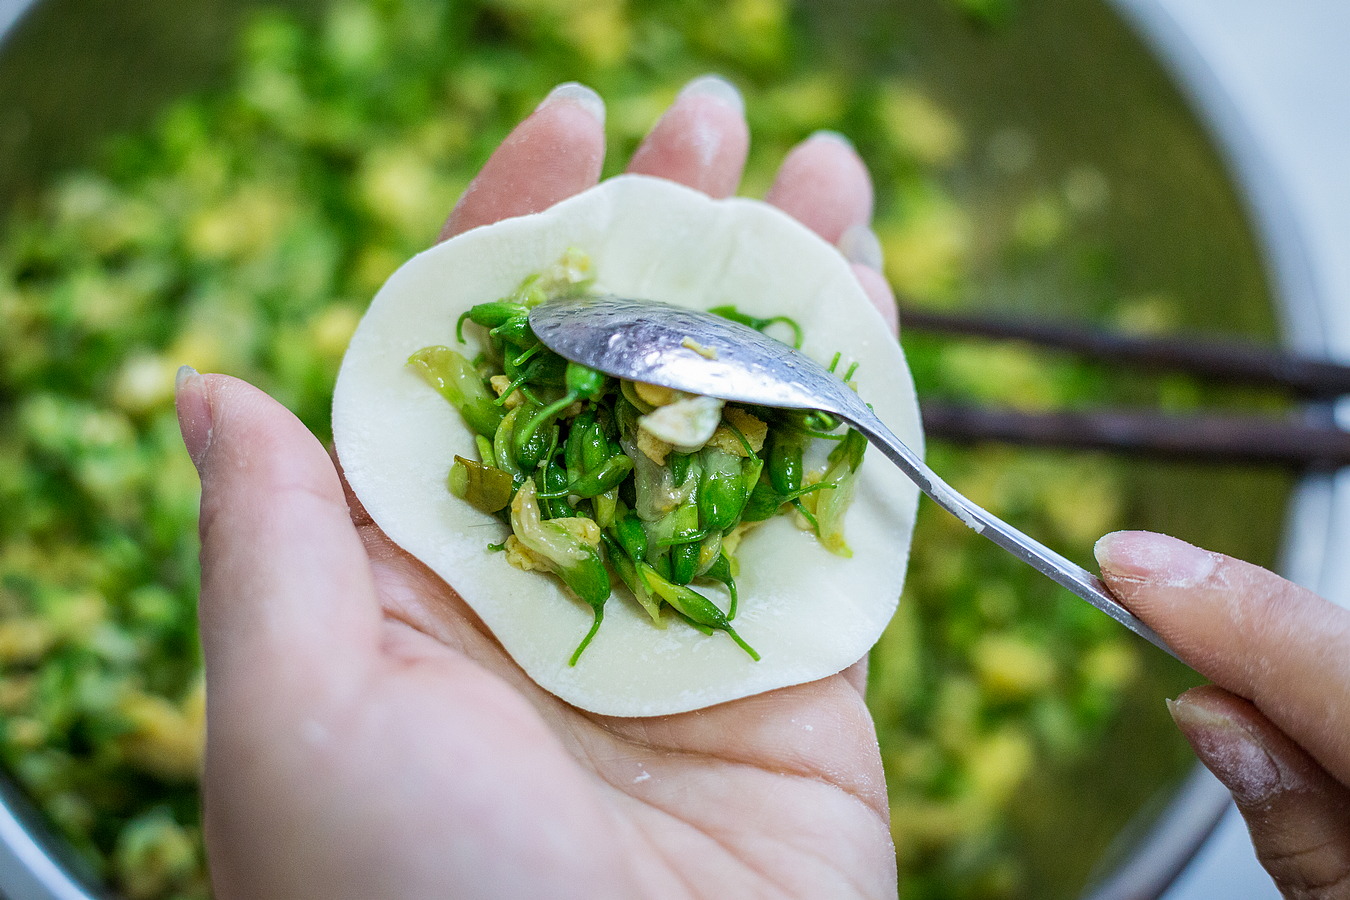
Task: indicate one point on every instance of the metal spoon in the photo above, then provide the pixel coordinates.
(702, 353)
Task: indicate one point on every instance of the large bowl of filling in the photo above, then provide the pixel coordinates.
(228, 186)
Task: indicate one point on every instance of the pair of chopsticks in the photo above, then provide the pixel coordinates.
(1309, 438)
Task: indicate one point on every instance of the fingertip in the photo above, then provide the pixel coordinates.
(860, 246)
(194, 412)
(701, 141)
(716, 88)
(824, 184)
(1295, 809)
(1248, 630)
(1219, 728)
(232, 428)
(579, 95)
(556, 152)
(1145, 558)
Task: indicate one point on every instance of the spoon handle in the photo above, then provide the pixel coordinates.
(1063, 572)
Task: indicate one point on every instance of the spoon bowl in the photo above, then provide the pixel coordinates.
(703, 353)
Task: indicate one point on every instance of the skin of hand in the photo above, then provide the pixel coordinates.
(1275, 725)
(367, 736)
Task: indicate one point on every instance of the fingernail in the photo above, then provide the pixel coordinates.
(577, 93)
(826, 134)
(1228, 748)
(859, 245)
(194, 413)
(718, 88)
(184, 373)
(1155, 558)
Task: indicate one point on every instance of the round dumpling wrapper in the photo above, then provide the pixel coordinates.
(809, 613)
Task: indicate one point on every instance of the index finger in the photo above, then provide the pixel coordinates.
(1263, 638)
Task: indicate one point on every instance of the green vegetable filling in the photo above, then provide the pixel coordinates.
(568, 462)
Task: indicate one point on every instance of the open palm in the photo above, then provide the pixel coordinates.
(368, 737)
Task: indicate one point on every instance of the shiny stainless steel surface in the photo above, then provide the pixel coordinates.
(29, 870)
(10, 10)
(32, 865)
(645, 341)
(1270, 83)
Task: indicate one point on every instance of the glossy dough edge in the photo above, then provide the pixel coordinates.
(809, 613)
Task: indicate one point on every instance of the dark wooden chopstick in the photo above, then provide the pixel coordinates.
(1299, 443)
(1308, 438)
(1231, 362)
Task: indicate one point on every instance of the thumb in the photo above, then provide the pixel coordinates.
(1298, 815)
(288, 606)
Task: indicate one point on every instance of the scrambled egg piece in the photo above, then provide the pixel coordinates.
(499, 384)
(655, 395)
(753, 429)
(653, 447)
(705, 352)
(525, 559)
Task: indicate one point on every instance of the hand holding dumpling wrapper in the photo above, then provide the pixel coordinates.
(356, 694)
(805, 610)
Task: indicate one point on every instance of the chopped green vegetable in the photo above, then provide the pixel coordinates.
(721, 571)
(613, 472)
(722, 493)
(483, 487)
(692, 605)
(459, 382)
(585, 442)
(730, 312)
(559, 548)
(841, 478)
